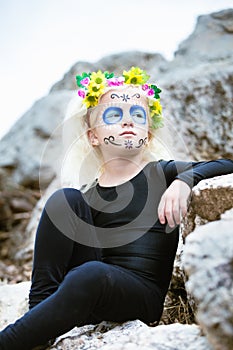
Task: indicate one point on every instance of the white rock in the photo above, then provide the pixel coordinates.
(13, 302)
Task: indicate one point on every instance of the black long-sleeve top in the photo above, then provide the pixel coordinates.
(126, 221)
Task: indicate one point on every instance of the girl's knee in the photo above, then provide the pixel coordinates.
(67, 210)
(65, 200)
(61, 196)
(98, 269)
(90, 275)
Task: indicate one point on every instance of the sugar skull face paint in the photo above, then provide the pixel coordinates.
(120, 123)
(128, 144)
(113, 115)
(138, 114)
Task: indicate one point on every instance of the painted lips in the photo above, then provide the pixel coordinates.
(127, 133)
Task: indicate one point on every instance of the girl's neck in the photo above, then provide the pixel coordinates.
(119, 170)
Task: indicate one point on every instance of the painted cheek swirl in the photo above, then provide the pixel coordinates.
(111, 140)
(127, 143)
(141, 142)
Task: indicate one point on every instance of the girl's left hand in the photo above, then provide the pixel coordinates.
(174, 202)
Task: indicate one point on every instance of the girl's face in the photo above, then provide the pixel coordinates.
(120, 122)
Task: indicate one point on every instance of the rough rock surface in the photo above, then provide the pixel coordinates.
(211, 39)
(22, 149)
(135, 335)
(13, 302)
(208, 261)
(199, 109)
(210, 198)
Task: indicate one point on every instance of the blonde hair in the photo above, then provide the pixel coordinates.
(82, 163)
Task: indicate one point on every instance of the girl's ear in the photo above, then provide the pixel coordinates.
(93, 138)
(149, 136)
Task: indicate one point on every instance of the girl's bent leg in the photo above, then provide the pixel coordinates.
(55, 251)
(89, 293)
(69, 306)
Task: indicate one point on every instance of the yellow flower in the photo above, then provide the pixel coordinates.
(98, 77)
(96, 89)
(90, 101)
(155, 108)
(93, 85)
(135, 76)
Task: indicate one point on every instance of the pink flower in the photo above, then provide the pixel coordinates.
(81, 93)
(120, 80)
(145, 87)
(115, 81)
(111, 83)
(85, 81)
(150, 92)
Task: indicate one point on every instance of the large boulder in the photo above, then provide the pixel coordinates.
(199, 111)
(21, 150)
(208, 257)
(210, 198)
(134, 335)
(212, 39)
(197, 88)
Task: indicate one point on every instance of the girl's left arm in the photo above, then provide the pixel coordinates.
(204, 170)
(181, 177)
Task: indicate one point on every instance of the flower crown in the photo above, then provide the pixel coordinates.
(93, 85)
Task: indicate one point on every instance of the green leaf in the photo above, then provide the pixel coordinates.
(156, 89)
(81, 77)
(108, 75)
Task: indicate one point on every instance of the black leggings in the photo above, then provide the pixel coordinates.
(71, 286)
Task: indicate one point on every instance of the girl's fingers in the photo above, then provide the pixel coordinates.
(173, 203)
(176, 212)
(168, 210)
(161, 206)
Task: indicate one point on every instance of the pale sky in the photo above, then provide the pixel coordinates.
(41, 39)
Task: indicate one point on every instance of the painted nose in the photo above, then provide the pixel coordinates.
(127, 121)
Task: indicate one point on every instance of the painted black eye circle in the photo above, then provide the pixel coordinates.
(138, 114)
(112, 115)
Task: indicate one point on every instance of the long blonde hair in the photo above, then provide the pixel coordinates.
(82, 163)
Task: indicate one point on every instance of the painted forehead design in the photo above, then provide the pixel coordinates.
(124, 97)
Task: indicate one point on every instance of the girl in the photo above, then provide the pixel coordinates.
(105, 248)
